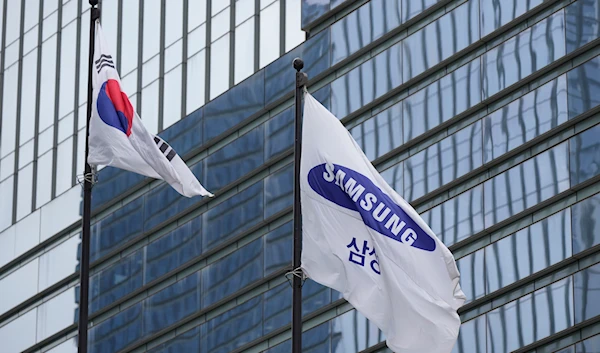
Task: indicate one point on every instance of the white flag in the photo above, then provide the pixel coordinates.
(119, 139)
(363, 240)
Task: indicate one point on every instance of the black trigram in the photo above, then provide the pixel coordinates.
(105, 60)
(165, 148)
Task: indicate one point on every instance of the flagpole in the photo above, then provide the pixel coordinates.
(84, 268)
(301, 80)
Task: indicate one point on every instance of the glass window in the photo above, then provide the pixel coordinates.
(441, 39)
(150, 70)
(6, 189)
(442, 100)
(235, 160)
(293, 32)
(219, 66)
(69, 346)
(244, 50)
(130, 37)
(443, 162)
(109, 18)
(412, 8)
(586, 223)
(65, 127)
(583, 23)
(25, 188)
(233, 216)
(277, 307)
(17, 335)
(381, 133)
(32, 10)
(232, 273)
(57, 313)
(45, 140)
(311, 10)
(19, 286)
(59, 262)
(69, 11)
(196, 13)
(244, 9)
(269, 34)
(496, 14)
(83, 53)
(7, 249)
(173, 20)
(589, 345)
(240, 102)
(472, 275)
(471, 338)
(279, 191)
(118, 331)
(64, 166)
(314, 296)
(196, 40)
(220, 24)
(173, 249)
(48, 83)
(363, 26)
(236, 327)
(7, 166)
(352, 332)
(44, 183)
(394, 177)
(367, 82)
(457, 218)
(113, 230)
(150, 107)
(30, 39)
(9, 111)
(524, 119)
(28, 230)
(28, 94)
(170, 305)
(116, 281)
(128, 86)
(279, 132)
(188, 341)
(528, 251)
(587, 285)
(152, 14)
(526, 185)
(584, 87)
(278, 248)
(172, 97)
(26, 153)
(13, 21)
(218, 6)
(196, 68)
(50, 6)
(318, 339)
(531, 318)
(173, 55)
(585, 155)
(523, 54)
(50, 26)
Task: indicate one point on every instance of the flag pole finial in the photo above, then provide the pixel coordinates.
(298, 64)
(93, 2)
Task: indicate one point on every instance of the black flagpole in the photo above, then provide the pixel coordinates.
(301, 80)
(84, 267)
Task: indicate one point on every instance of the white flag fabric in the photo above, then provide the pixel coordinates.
(119, 139)
(363, 240)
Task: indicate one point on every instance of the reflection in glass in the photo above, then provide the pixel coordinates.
(586, 223)
(442, 100)
(411, 8)
(471, 338)
(318, 339)
(587, 287)
(472, 275)
(528, 251)
(279, 191)
(589, 345)
(278, 248)
(526, 185)
(232, 273)
(294, 35)
(314, 296)
(526, 118)
(524, 54)
(394, 177)
(441, 39)
(496, 14)
(584, 87)
(583, 23)
(366, 82)
(117, 332)
(352, 332)
(457, 218)
(279, 133)
(443, 162)
(381, 133)
(277, 307)
(585, 155)
(531, 318)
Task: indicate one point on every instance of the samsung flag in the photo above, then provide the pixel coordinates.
(363, 240)
(119, 139)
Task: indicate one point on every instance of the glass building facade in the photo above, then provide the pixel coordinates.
(483, 114)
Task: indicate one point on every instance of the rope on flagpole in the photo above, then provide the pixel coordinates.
(296, 273)
(92, 177)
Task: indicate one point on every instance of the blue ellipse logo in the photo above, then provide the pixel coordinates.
(354, 191)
